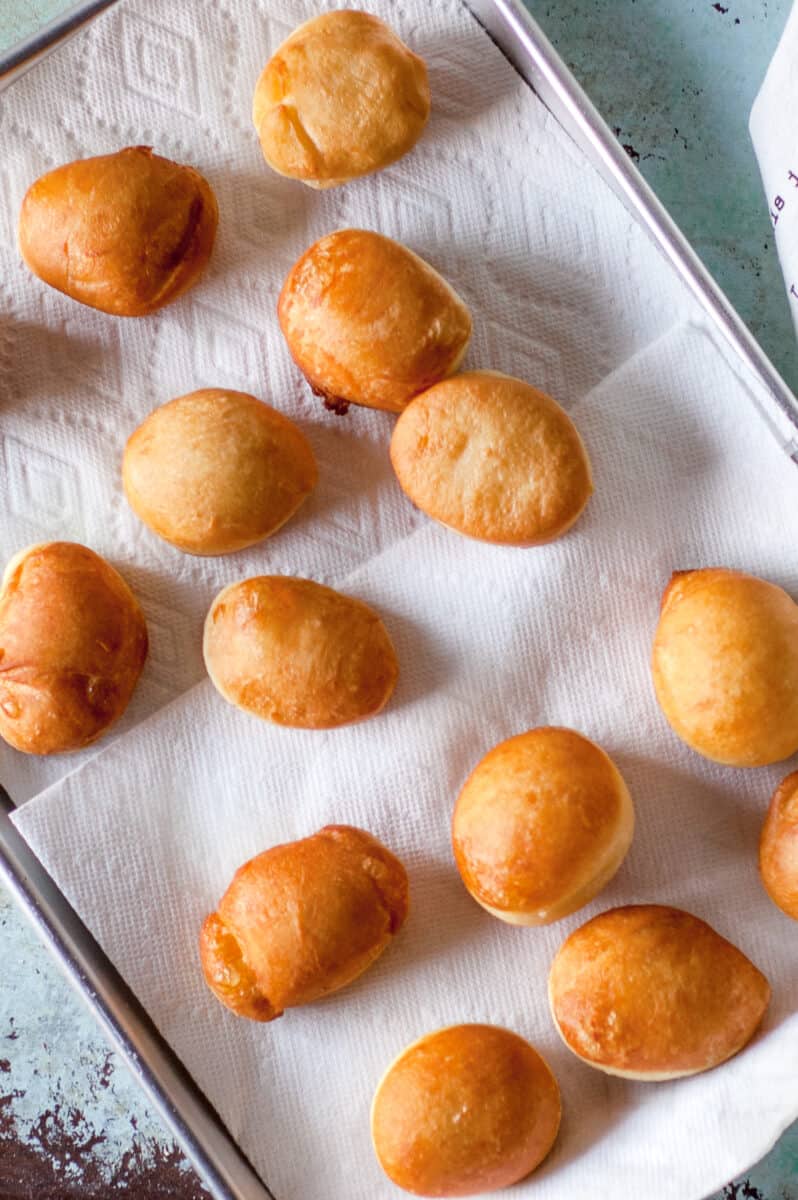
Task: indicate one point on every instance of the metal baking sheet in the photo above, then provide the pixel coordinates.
(526, 46)
(193, 1122)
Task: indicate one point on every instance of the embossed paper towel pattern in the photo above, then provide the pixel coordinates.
(494, 195)
(491, 641)
(566, 292)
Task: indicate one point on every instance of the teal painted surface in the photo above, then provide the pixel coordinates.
(21, 19)
(63, 1093)
(676, 79)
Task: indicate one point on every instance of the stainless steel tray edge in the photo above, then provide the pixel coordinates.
(523, 42)
(24, 55)
(185, 1110)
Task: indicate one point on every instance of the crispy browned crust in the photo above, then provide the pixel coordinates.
(654, 992)
(778, 847)
(302, 920)
(216, 470)
(341, 97)
(72, 645)
(369, 322)
(297, 653)
(126, 233)
(725, 666)
(464, 1111)
(541, 825)
(333, 404)
(493, 458)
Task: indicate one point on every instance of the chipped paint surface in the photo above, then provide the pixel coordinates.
(70, 1115)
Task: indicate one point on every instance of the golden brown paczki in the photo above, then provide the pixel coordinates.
(541, 825)
(341, 97)
(463, 1111)
(651, 992)
(72, 645)
(493, 458)
(725, 666)
(302, 920)
(778, 847)
(214, 471)
(126, 233)
(297, 653)
(369, 322)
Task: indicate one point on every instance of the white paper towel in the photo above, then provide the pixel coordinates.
(567, 292)
(494, 195)
(774, 132)
(491, 641)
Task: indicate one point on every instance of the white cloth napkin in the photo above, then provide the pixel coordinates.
(774, 132)
(567, 292)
